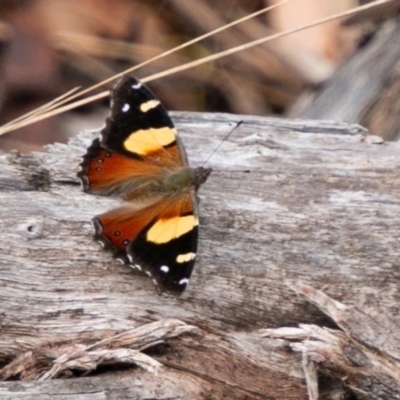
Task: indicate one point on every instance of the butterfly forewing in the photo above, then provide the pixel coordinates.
(140, 127)
(104, 172)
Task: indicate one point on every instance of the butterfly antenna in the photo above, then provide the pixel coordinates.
(222, 142)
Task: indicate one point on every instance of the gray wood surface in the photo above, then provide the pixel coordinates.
(290, 202)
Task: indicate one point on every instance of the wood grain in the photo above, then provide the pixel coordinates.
(289, 202)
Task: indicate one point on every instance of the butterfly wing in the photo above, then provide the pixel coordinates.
(106, 173)
(160, 240)
(139, 140)
(140, 127)
(157, 232)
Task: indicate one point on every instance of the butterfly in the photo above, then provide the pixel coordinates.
(140, 158)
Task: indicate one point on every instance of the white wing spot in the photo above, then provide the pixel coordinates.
(148, 273)
(183, 281)
(121, 260)
(101, 243)
(137, 86)
(126, 107)
(129, 258)
(164, 269)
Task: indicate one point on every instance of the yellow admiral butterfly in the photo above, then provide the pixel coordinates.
(140, 158)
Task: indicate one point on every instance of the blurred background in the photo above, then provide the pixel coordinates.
(50, 46)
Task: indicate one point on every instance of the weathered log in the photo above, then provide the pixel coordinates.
(319, 205)
(365, 353)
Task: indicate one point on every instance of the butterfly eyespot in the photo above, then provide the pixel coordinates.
(125, 242)
(99, 160)
(117, 233)
(108, 154)
(98, 169)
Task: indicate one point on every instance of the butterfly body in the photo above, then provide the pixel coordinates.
(140, 158)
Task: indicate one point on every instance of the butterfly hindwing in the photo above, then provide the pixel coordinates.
(160, 240)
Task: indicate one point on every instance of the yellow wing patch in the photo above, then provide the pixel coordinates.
(182, 258)
(167, 229)
(146, 141)
(144, 107)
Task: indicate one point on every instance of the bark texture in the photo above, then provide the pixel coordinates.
(298, 229)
